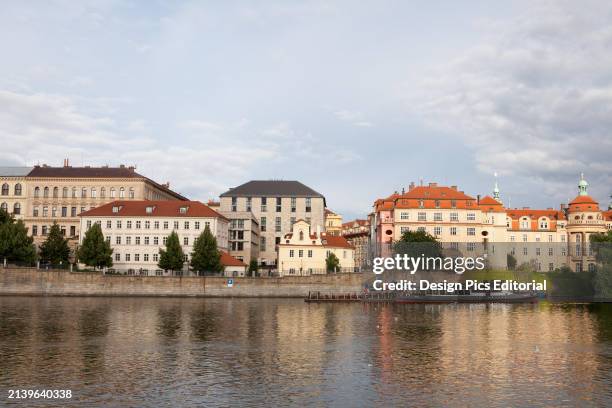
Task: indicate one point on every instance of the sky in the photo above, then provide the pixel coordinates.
(354, 99)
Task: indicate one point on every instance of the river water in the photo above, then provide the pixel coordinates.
(274, 352)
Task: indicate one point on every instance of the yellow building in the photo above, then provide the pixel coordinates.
(302, 252)
(14, 190)
(333, 222)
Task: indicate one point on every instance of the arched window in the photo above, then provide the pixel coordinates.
(131, 193)
(102, 192)
(4, 206)
(94, 193)
(525, 223)
(65, 192)
(83, 192)
(122, 192)
(112, 192)
(5, 189)
(37, 192)
(301, 235)
(17, 209)
(544, 223)
(17, 189)
(55, 192)
(46, 192)
(73, 192)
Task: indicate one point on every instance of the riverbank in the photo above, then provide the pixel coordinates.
(34, 282)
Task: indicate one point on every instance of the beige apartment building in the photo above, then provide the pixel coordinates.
(136, 230)
(357, 233)
(277, 205)
(243, 235)
(303, 252)
(14, 190)
(333, 222)
(544, 238)
(60, 194)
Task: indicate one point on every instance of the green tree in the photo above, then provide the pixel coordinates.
(94, 250)
(55, 248)
(172, 258)
(418, 243)
(332, 263)
(15, 244)
(205, 256)
(602, 278)
(510, 261)
(253, 267)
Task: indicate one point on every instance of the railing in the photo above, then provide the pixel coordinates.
(316, 271)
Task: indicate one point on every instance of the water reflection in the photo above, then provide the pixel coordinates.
(217, 352)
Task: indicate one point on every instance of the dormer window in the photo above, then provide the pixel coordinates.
(150, 209)
(183, 210)
(116, 208)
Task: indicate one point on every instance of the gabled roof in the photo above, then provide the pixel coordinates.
(535, 214)
(272, 188)
(435, 192)
(228, 260)
(165, 208)
(489, 204)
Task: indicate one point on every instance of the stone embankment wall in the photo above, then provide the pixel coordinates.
(33, 282)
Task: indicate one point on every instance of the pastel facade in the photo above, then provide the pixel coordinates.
(277, 205)
(357, 233)
(14, 190)
(303, 252)
(136, 230)
(546, 239)
(333, 222)
(243, 235)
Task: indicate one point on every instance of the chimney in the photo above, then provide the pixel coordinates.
(132, 168)
(122, 166)
(562, 207)
(478, 199)
(403, 190)
(525, 208)
(454, 188)
(166, 184)
(433, 184)
(411, 186)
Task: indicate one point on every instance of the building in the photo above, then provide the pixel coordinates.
(333, 222)
(357, 233)
(233, 267)
(137, 230)
(243, 235)
(60, 194)
(277, 205)
(544, 238)
(303, 252)
(14, 190)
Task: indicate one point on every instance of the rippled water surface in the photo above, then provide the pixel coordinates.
(271, 352)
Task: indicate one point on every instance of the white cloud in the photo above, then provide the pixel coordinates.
(352, 117)
(535, 100)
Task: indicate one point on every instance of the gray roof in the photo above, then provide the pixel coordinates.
(272, 188)
(14, 171)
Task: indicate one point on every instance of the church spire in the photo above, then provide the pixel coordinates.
(582, 186)
(496, 189)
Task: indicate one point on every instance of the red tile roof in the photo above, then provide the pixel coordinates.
(535, 214)
(228, 260)
(489, 204)
(583, 203)
(334, 241)
(167, 208)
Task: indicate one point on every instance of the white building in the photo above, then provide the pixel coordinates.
(137, 230)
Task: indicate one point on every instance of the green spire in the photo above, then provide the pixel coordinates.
(496, 189)
(582, 185)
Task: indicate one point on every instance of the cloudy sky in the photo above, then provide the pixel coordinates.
(355, 99)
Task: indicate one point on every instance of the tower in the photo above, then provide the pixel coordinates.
(582, 186)
(496, 190)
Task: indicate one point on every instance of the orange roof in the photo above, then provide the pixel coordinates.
(489, 204)
(352, 223)
(435, 192)
(583, 203)
(168, 208)
(228, 260)
(334, 241)
(329, 212)
(607, 215)
(534, 214)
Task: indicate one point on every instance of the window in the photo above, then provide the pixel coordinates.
(65, 192)
(45, 212)
(277, 224)
(471, 246)
(437, 216)
(94, 193)
(5, 189)
(112, 192)
(103, 194)
(454, 216)
(64, 211)
(165, 225)
(136, 257)
(544, 224)
(264, 207)
(207, 224)
(524, 250)
(186, 225)
(403, 230)
(437, 230)
(551, 267)
(118, 240)
(156, 258)
(108, 239)
(471, 231)
(156, 225)
(146, 240)
(525, 224)
(262, 244)
(422, 216)
(118, 224)
(122, 192)
(145, 257)
(108, 224)
(138, 224)
(471, 216)
(262, 224)
(292, 221)
(54, 212)
(128, 240)
(44, 230)
(279, 205)
(137, 240)
(453, 230)
(404, 215)
(234, 204)
(550, 252)
(185, 240)
(46, 192)
(453, 203)
(36, 192)
(55, 192)
(35, 212)
(17, 209)
(293, 204)
(421, 204)
(83, 192)
(131, 193)
(34, 230)
(512, 238)
(176, 225)
(310, 253)
(524, 237)
(155, 240)
(197, 225)
(165, 240)
(117, 257)
(88, 224)
(538, 252)
(248, 204)
(301, 253)
(308, 204)
(128, 224)
(437, 203)
(74, 192)
(147, 224)
(291, 253)
(4, 207)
